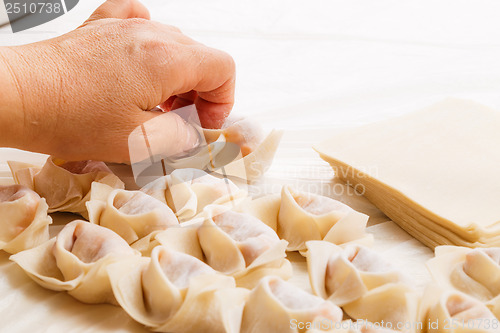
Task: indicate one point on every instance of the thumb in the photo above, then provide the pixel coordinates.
(160, 135)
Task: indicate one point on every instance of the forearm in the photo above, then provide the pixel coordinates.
(27, 95)
(11, 108)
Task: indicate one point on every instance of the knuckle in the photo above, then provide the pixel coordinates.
(173, 28)
(134, 24)
(228, 61)
(126, 3)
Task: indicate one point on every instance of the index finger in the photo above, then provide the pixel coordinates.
(209, 72)
(120, 9)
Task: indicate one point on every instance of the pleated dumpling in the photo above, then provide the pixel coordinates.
(175, 292)
(305, 216)
(131, 214)
(64, 185)
(451, 311)
(244, 132)
(265, 208)
(241, 245)
(344, 275)
(475, 272)
(24, 222)
(257, 151)
(75, 261)
(359, 280)
(182, 238)
(278, 306)
(393, 303)
(188, 191)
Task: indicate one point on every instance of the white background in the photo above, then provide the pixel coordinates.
(322, 63)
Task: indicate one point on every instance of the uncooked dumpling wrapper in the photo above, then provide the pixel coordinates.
(175, 292)
(131, 214)
(241, 245)
(423, 170)
(343, 275)
(188, 191)
(24, 222)
(75, 261)
(305, 216)
(64, 185)
(275, 305)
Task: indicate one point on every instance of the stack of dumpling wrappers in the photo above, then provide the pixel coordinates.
(434, 172)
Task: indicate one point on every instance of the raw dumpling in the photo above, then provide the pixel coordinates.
(265, 208)
(395, 304)
(475, 272)
(175, 292)
(188, 191)
(344, 275)
(24, 222)
(244, 132)
(305, 216)
(257, 151)
(182, 238)
(360, 280)
(278, 306)
(241, 245)
(450, 311)
(75, 261)
(131, 214)
(65, 185)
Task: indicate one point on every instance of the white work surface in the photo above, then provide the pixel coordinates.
(311, 68)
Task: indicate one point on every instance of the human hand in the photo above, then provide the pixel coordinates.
(80, 95)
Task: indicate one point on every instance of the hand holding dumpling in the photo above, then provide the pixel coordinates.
(257, 151)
